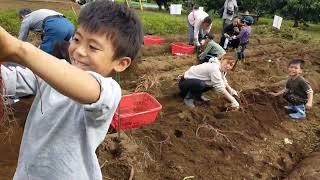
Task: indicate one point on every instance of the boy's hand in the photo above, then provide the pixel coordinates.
(8, 45)
(309, 105)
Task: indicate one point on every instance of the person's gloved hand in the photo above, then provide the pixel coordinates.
(226, 35)
(235, 104)
(234, 92)
(197, 44)
(233, 37)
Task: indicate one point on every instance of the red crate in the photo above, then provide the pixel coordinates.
(136, 110)
(148, 40)
(179, 48)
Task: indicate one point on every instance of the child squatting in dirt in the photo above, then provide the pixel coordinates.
(211, 49)
(206, 76)
(74, 103)
(297, 92)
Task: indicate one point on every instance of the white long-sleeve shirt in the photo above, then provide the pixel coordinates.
(209, 72)
(196, 18)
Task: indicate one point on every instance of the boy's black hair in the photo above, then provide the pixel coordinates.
(207, 20)
(24, 12)
(121, 26)
(209, 36)
(297, 61)
(60, 50)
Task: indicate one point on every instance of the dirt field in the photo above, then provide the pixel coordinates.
(257, 142)
(210, 144)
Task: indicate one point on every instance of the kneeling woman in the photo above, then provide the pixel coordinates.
(203, 77)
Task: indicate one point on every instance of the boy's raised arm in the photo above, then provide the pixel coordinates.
(65, 78)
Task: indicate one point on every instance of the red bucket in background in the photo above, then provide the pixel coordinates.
(179, 48)
(136, 109)
(148, 40)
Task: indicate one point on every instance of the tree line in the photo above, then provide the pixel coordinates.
(300, 11)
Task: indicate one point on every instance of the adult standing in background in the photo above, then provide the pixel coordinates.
(55, 26)
(230, 8)
(199, 23)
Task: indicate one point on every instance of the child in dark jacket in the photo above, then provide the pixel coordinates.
(297, 92)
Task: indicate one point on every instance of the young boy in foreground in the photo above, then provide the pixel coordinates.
(74, 104)
(298, 91)
(206, 76)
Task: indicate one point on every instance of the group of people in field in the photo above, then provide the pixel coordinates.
(215, 63)
(75, 98)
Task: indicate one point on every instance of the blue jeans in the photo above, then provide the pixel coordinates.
(56, 29)
(191, 34)
(240, 51)
(297, 111)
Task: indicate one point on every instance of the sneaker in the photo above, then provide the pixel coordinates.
(9, 100)
(297, 116)
(189, 102)
(288, 107)
(205, 99)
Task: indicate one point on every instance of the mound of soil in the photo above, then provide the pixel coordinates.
(209, 143)
(308, 168)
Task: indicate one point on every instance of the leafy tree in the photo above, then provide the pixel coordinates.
(301, 10)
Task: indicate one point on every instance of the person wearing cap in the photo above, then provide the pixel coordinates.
(212, 50)
(54, 25)
(244, 36)
(199, 23)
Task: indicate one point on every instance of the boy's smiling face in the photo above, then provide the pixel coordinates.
(295, 70)
(94, 52)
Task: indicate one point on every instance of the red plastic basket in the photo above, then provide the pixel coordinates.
(136, 110)
(179, 48)
(148, 40)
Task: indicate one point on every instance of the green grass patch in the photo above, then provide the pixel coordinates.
(9, 20)
(162, 23)
(302, 34)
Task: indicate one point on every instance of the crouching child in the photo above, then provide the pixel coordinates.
(211, 49)
(206, 76)
(74, 103)
(297, 92)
